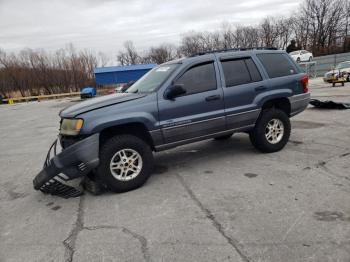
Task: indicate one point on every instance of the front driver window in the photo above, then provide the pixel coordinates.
(199, 78)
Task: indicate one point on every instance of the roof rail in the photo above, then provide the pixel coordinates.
(233, 50)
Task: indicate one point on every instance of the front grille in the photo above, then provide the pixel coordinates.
(56, 187)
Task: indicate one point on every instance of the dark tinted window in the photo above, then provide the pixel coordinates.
(277, 65)
(198, 79)
(236, 72)
(253, 70)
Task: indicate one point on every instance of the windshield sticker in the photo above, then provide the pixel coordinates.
(163, 69)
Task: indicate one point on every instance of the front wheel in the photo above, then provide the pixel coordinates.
(126, 162)
(271, 132)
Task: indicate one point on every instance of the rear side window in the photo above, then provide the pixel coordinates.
(277, 65)
(198, 79)
(253, 70)
(240, 71)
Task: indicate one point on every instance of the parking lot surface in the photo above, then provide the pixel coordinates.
(208, 201)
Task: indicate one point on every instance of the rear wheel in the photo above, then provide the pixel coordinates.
(126, 162)
(271, 132)
(224, 137)
(298, 60)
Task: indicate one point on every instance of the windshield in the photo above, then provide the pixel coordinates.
(343, 65)
(153, 79)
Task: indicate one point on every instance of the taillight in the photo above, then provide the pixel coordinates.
(305, 83)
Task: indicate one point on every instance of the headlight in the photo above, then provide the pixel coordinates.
(71, 127)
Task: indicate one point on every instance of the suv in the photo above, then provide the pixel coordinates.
(213, 95)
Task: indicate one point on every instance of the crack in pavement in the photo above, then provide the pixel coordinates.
(323, 165)
(296, 243)
(233, 242)
(70, 241)
(143, 242)
(138, 237)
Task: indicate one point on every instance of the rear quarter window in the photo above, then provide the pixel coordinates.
(277, 65)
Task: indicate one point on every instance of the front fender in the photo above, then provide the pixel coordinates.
(143, 118)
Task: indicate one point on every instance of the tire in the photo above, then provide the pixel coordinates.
(224, 137)
(258, 136)
(298, 60)
(310, 58)
(119, 180)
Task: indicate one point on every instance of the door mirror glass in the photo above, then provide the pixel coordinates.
(174, 91)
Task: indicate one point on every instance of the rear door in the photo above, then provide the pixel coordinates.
(197, 113)
(242, 82)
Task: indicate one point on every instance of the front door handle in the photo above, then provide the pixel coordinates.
(211, 98)
(260, 88)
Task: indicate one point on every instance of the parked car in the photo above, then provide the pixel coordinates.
(88, 92)
(212, 95)
(301, 56)
(341, 70)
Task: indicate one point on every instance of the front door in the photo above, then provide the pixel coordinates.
(197, 113)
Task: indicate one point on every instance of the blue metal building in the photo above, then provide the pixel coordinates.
(120, 74)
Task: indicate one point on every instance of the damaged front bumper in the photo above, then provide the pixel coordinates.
(74, 161)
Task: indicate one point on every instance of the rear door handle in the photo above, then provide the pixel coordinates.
(260, 88)
(211, 98)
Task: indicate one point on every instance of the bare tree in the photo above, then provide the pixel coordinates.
(103, 59)
(325, 21)
(269, 32)
(129, 56)
(160, 54)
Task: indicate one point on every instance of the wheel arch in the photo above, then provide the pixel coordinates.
(281, 103)
(137, 129)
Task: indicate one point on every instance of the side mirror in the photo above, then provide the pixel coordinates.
(174, 91)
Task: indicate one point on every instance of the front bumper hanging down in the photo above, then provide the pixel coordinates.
(74, 161)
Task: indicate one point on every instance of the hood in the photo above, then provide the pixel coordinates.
(98, 102)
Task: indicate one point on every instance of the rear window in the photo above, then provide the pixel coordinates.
(277, 65)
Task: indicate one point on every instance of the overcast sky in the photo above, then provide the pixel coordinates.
(103, 25)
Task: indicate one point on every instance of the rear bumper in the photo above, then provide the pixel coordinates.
(74, 161)
(298, 103)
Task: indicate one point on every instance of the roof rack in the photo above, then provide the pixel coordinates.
(233, 50)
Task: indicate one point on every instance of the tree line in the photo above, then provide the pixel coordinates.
(30, 73)
(320, 26)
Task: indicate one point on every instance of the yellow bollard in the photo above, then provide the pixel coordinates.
(10, 102)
